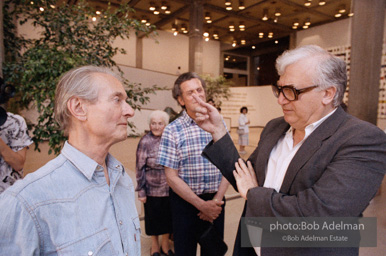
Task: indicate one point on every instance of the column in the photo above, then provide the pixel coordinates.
(195, 36)
(366, 52)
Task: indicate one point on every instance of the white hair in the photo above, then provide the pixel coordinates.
(329, 69)
(158, 113)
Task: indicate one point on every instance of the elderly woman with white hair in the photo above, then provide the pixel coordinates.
(152, 188)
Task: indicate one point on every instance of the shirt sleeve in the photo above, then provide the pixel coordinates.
(140, 167)
(18, 232)
(168, 153)
(21, 138)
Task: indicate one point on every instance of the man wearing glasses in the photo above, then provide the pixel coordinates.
(315, 161)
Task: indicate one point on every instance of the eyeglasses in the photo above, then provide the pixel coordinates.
(289, 91)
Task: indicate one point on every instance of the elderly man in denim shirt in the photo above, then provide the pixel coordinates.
(82, 202)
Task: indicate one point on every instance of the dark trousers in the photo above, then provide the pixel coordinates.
(188, 227)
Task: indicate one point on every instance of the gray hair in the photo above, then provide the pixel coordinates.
(158, 113)
(78, 82)
(176, 91)
(329, 69)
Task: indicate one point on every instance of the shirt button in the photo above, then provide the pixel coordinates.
(120, 222)
(90, 253)
(118, 166)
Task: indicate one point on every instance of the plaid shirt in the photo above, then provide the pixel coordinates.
(181, 146)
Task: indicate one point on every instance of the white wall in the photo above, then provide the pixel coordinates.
(329, 35)
(262, 105)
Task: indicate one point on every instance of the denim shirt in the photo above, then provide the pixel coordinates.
(67, 208)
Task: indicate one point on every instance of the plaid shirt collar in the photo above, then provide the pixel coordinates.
(186, 119)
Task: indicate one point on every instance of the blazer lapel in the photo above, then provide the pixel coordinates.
(311, 145)
(264, 150)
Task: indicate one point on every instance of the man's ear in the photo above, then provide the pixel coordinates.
(181, 101)
(329, 95)
(77, 108)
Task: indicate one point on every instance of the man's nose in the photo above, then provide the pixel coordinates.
(128, 110)
(281, 99)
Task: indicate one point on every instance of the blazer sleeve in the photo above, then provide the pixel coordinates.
(223, 154)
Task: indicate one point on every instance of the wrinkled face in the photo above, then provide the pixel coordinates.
(107, 117)
(157, 125)
(188, 88)
(310, 105)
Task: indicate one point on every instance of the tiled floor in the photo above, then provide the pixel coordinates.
(125, 152)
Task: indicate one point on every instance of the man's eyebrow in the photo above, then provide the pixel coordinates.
(119, 94)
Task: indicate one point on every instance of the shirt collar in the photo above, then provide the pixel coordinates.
(185, 118)
(85, 164)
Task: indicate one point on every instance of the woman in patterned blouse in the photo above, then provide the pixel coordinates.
(152, 188)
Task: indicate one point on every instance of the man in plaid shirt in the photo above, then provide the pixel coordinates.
(198, 188)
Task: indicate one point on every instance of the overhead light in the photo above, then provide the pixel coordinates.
(147, 23)
(296, 22)
(163, 6)
(338, 15)
(144, 19)
(307, 22)
(156, 11)
(261, 35)
(276, 19)
(265, 15)
(228, 8)
(167, 11)
(41, 9)
(241, 5)
(228, 2)
(342, 9)
(209, 21)
(207, 16)
(215, 35)
(175, 33)
(243, 41)
(350, 14)
(242, 26)
(183, 27)
(322, 2)
(270, 34)
(231, 27)
(52, 6)
(206, 34)
(152, 6)
(94, 18)
(277, 12)
(98, 12)
(234, 43)
(206, 39)
(174, 27)
(294, 27)
(253, 47)
(305, 26)
(276, 41)
(307, 3)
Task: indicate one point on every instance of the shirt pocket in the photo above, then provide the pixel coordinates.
(96, 244)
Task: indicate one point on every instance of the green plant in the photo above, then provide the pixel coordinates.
(69, 38)
(217, 88)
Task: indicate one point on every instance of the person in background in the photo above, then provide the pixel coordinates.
(152, 188)
(243, 130)
(197, 186)
(14, 142)
(82, 202)
(315, 161)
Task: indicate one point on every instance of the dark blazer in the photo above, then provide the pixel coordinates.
(335, 173)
